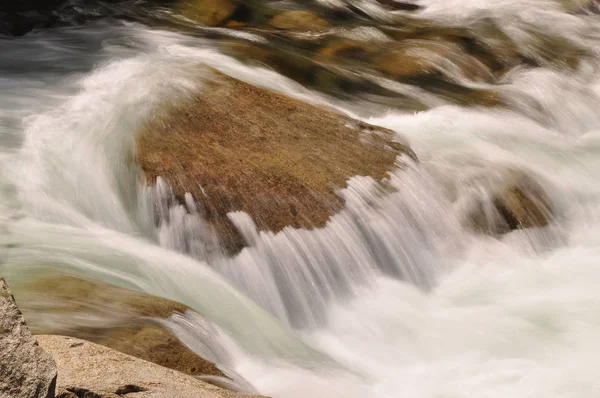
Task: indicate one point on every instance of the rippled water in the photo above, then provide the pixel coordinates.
(393, 297)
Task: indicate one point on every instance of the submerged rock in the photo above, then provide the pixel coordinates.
(396, 5)
(339, 50)
(576, 5)
(511, 200)
(89, 370)
(439, 67)
(157, 345)
(236, 147)
(417, 59)
(26, 370)
(208, 12)
(299, 20)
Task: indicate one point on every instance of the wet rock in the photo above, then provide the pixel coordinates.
(124, 320)
(302, 20)
(589, 7)
(440, 67)
(507, 201)
(576, 5)
(395, 5)
(239, 147)
(208, 12)
(92, 371)
(343, 50)
(416, 59)
(26, 370)
(157, 345)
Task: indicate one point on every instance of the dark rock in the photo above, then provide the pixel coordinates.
(20, 17)
(396, 5)
(26, 371)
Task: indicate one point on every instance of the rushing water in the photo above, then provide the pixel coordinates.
(393, 298)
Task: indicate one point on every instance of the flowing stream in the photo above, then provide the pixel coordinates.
(393, 297)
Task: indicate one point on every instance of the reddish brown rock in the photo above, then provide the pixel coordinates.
(239, 147)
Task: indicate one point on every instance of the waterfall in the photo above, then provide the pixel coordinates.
(394, 296)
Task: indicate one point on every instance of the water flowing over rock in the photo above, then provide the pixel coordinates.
(89, 370)
(26, 371)
(208, 12)
(509, 200)
(237, 147)
(299, 20)
(396, 5)
(471, 272)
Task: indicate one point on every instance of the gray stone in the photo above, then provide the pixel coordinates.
(92, 371)
(26, 371)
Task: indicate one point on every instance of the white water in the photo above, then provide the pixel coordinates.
(393, 298)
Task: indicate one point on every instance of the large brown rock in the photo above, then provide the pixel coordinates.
(26, 371)
(239, 147)
(89, 370)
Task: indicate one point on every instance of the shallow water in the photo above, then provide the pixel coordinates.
(393, 297)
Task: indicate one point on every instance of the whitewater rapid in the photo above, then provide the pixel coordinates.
(393, 298)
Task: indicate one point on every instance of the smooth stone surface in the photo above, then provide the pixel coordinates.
(89, 370)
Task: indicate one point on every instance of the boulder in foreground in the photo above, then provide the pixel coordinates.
(89, 370)
(26, 371)
(236, 147)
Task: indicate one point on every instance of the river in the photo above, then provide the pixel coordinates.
(421, 306)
